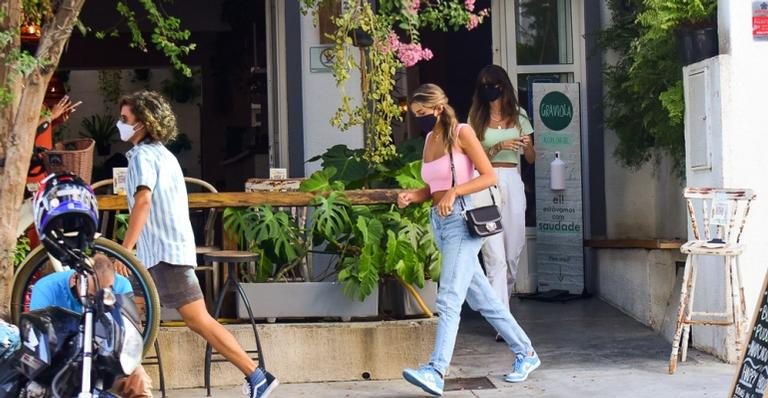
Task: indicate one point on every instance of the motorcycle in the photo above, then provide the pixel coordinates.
(65, 354)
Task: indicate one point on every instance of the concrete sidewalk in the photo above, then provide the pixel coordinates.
(587, 348)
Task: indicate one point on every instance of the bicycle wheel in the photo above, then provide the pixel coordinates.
(37, 265)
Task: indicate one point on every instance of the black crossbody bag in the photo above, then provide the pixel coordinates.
(481, 221)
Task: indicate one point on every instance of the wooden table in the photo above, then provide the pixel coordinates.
(244, 199)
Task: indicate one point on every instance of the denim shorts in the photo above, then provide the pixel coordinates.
(177, 285)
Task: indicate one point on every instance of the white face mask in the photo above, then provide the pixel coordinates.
(126, 130)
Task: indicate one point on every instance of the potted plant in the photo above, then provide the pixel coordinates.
(103, 130)
(275, 286)
(694, 23)
(371, 246)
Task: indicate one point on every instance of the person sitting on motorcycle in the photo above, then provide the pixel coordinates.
(60, 289)
(73, 208)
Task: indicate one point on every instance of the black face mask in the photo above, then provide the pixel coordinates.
(490, 93)
(427, 122)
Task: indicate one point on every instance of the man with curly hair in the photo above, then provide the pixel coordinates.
(159, 223)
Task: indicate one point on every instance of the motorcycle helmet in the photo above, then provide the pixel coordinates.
(65, 211)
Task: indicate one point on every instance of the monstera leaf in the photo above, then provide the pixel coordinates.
(237, 221)
(409, 176)
(369, 230)
(276, 229)
(349, 165)
(320, 181)
(331, 217)
(360, 275)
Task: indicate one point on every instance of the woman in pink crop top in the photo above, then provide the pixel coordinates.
(461, 277)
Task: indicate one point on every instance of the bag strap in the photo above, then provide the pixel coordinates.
(453, 178)
(453, 182)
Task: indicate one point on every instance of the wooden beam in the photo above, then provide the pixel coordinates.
(650, 244)
(245, 199)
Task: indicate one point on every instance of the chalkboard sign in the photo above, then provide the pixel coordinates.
(752, 378)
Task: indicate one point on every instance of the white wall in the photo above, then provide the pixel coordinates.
(739, 151)
(321, 99)
(645, 203)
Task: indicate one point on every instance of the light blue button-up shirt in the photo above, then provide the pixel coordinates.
(167, 235)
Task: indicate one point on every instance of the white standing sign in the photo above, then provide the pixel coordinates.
(559, 222)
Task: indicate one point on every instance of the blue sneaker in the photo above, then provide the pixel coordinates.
(523, 366)
(427, 378)
(259, 384)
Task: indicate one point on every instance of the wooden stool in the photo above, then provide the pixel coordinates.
(726, 210)
(231, 258)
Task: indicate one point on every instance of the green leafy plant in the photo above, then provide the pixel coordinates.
(181, 88)
(644, 92)
(369, 242)
(110, 88)
(20, 251)
(272, 234)
(121, 225)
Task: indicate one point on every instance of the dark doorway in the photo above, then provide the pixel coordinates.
(459, 56)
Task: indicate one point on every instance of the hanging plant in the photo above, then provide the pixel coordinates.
(378, 42)
(181, 88)
(109, 83)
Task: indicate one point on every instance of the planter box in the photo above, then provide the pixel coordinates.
(304, 300)
(397, 301)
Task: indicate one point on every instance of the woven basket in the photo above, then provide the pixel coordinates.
(74, 156)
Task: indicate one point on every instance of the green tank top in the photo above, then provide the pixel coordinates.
(494, 135)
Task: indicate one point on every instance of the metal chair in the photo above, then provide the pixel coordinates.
(725, 211)
(104, 225)
(209, 231)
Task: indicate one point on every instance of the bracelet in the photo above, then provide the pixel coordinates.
(495, 149)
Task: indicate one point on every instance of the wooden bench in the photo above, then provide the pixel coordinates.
(650, 244)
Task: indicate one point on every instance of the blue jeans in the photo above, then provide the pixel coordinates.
(462, 278)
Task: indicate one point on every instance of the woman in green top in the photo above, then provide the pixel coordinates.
(505, 132)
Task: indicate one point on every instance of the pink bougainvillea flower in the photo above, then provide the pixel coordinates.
(408, 53)
(413, 7)
(474, 20)
(469, 5)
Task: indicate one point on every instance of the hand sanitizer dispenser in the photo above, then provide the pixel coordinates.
(557, 173)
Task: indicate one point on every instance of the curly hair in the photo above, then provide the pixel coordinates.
(154, 112)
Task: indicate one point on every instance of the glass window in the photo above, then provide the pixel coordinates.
(544, 32)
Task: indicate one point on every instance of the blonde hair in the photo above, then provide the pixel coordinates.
(431, 96)
(155, 113)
